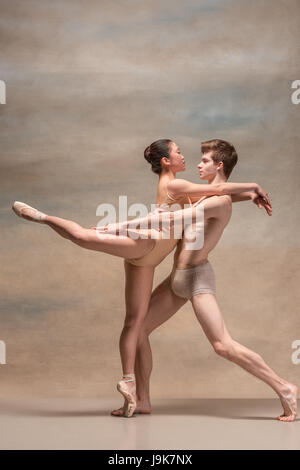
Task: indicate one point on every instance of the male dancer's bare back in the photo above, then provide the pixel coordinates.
(164, 303)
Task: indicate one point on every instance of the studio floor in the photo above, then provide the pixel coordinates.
(83, 423)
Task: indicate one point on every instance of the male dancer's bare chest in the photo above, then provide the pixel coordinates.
(212, 232)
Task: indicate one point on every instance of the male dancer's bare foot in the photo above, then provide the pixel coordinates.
(127, 388)
(141, 408)
(288, 400)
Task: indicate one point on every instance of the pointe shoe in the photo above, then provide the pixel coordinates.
(128, 394)
(31, 213)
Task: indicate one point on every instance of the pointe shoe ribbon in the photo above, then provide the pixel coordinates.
(32, 213)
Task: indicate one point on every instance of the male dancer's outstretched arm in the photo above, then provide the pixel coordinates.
(196, 191)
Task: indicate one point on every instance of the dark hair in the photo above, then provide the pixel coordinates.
(222, 152)
(155, 152)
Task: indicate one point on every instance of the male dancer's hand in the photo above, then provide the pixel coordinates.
(263, 194)
(261, 202)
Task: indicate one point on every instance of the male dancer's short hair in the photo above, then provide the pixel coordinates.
(222, 152)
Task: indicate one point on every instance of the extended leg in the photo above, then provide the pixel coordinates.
(123, 246)
(212, 322)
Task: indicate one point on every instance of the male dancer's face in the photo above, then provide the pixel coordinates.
(207, 167)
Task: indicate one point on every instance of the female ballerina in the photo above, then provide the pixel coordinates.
(141, 255)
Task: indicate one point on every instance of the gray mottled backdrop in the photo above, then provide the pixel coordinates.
(89, 86)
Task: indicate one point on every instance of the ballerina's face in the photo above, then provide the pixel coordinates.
(176, 159)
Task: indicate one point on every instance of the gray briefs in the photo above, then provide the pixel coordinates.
(191, 281)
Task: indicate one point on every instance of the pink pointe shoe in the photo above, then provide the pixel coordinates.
(28, 212)
(128, 393)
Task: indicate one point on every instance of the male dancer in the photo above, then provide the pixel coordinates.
(192, 278)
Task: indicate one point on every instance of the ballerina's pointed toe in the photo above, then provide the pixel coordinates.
(31, 213)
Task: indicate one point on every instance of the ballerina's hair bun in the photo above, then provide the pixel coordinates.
(147, 154)
(155, 152)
